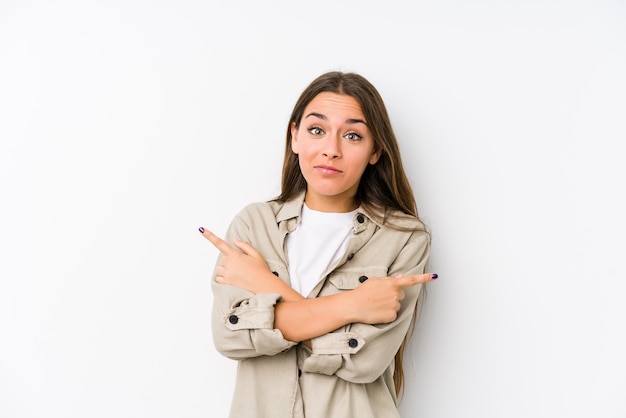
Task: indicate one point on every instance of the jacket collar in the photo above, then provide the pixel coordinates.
(293, 208)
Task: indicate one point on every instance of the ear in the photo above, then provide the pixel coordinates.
(375, 156)
(294, 138)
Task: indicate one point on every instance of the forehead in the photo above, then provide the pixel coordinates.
(330, 104)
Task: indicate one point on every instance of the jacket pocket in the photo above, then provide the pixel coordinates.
(350, 279)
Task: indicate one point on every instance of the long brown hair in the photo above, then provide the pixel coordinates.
(384, 186)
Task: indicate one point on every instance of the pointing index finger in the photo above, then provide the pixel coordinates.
(219, 243)
(413, 279)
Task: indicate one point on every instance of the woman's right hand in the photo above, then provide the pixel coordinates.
(377, 300)
(244, 267)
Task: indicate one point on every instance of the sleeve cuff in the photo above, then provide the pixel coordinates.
(254, 313)
(328, 352)
(337, 343)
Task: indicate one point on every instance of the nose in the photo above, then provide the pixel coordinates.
(332, 147)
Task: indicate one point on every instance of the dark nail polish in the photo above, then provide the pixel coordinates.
(434, 276)
(201, 229)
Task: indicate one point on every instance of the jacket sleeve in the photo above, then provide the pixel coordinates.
(360, 353)
(242, 322)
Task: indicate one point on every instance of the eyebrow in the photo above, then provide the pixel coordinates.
(323, 117)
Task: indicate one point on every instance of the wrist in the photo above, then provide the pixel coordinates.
(279, 286)
(348, 308)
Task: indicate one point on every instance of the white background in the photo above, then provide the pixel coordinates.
(125, 125)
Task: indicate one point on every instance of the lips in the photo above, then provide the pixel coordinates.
(326, 169)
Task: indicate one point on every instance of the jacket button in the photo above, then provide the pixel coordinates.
(362, 279)
(275, 273)
(350, 256)
(360, 219)
(233, 319)
(353, 343)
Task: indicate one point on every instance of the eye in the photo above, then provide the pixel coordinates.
(353, 136)
(316, 130)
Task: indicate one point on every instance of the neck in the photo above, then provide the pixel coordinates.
(330, 203)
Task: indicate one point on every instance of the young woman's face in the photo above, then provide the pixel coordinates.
(334, 146)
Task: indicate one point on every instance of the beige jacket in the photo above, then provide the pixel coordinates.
(349, 372)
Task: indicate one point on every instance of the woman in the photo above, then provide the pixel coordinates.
(318, 290)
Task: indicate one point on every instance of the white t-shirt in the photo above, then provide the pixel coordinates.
(320, 239)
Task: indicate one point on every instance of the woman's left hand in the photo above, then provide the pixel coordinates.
(243, 266)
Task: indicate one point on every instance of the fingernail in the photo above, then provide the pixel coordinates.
(201, 229)
(434, 276)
